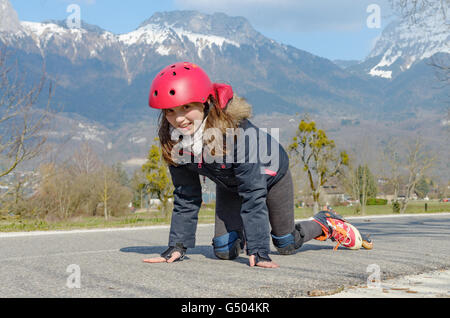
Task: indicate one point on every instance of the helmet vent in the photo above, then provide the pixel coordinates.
(172, 92)
(187, 68)
(161, 74)
(155, 93)
(174, 74)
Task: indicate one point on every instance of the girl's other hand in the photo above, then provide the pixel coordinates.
(264, 264)
(175, 256)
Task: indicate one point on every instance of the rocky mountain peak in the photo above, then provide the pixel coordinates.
(84, 26)
(237, 29)
(9, 20)
(408, 41)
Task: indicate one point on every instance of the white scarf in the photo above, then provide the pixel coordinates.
(193, 142)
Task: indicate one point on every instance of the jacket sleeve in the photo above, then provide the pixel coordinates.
(186, 204)
(252, 188)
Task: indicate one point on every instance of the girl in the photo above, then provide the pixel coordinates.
(204, 130)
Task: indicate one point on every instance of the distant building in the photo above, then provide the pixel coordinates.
(333, 192)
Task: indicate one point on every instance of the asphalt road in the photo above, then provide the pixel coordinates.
(108, 263)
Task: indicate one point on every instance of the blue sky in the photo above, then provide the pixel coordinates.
(334, 29)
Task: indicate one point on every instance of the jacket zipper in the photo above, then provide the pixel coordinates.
(199, 165)
(200, 162)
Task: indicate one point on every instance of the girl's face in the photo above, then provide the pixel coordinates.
(183, 117)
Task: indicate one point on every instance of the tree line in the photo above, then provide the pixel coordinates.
(405, 164)
(85, 186)
(81, 186)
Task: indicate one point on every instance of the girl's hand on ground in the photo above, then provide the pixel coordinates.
(175, 256)
(264, 264)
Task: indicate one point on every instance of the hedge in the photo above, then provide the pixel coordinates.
(373, 201)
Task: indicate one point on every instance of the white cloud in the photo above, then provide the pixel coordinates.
(293, 15)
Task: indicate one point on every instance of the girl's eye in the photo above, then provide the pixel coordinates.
(186, 106)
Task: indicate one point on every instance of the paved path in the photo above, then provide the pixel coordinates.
(427, 285)
(109, 263)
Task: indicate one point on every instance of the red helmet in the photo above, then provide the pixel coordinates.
(183, 83)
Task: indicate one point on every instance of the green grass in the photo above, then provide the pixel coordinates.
(15, 224)
(206, 215)
(413, 207)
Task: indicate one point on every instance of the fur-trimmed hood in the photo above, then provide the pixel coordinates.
(238, 109)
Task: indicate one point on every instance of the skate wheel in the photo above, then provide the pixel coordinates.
(367, 245)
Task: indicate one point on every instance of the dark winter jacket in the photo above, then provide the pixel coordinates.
(250, 174)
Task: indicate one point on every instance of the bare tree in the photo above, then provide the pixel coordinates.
(111, 195)
(63, 193)
(21, 123)
(86, 166)
(362, 180)
(351, 182)
(105, 193)
(406, 163)
(55, 197)
(392, 162)
(358, 179)
(299, 179)
(138, 182)
(418, 161)
(85, 160)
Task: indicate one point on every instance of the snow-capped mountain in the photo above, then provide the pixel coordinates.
(102, 79)
(165, 30)
(409, 41)
(162, 34)
(54, 37)
(9, 21)
(105, 77)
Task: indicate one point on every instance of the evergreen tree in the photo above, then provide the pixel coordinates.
(366, 183)
(158, 182)
(422, 188)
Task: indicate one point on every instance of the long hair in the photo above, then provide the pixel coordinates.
(217, 122)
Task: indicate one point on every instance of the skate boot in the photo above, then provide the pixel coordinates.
(337, 229)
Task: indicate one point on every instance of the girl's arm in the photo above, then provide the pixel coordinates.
(252, 188)
(187, 202)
